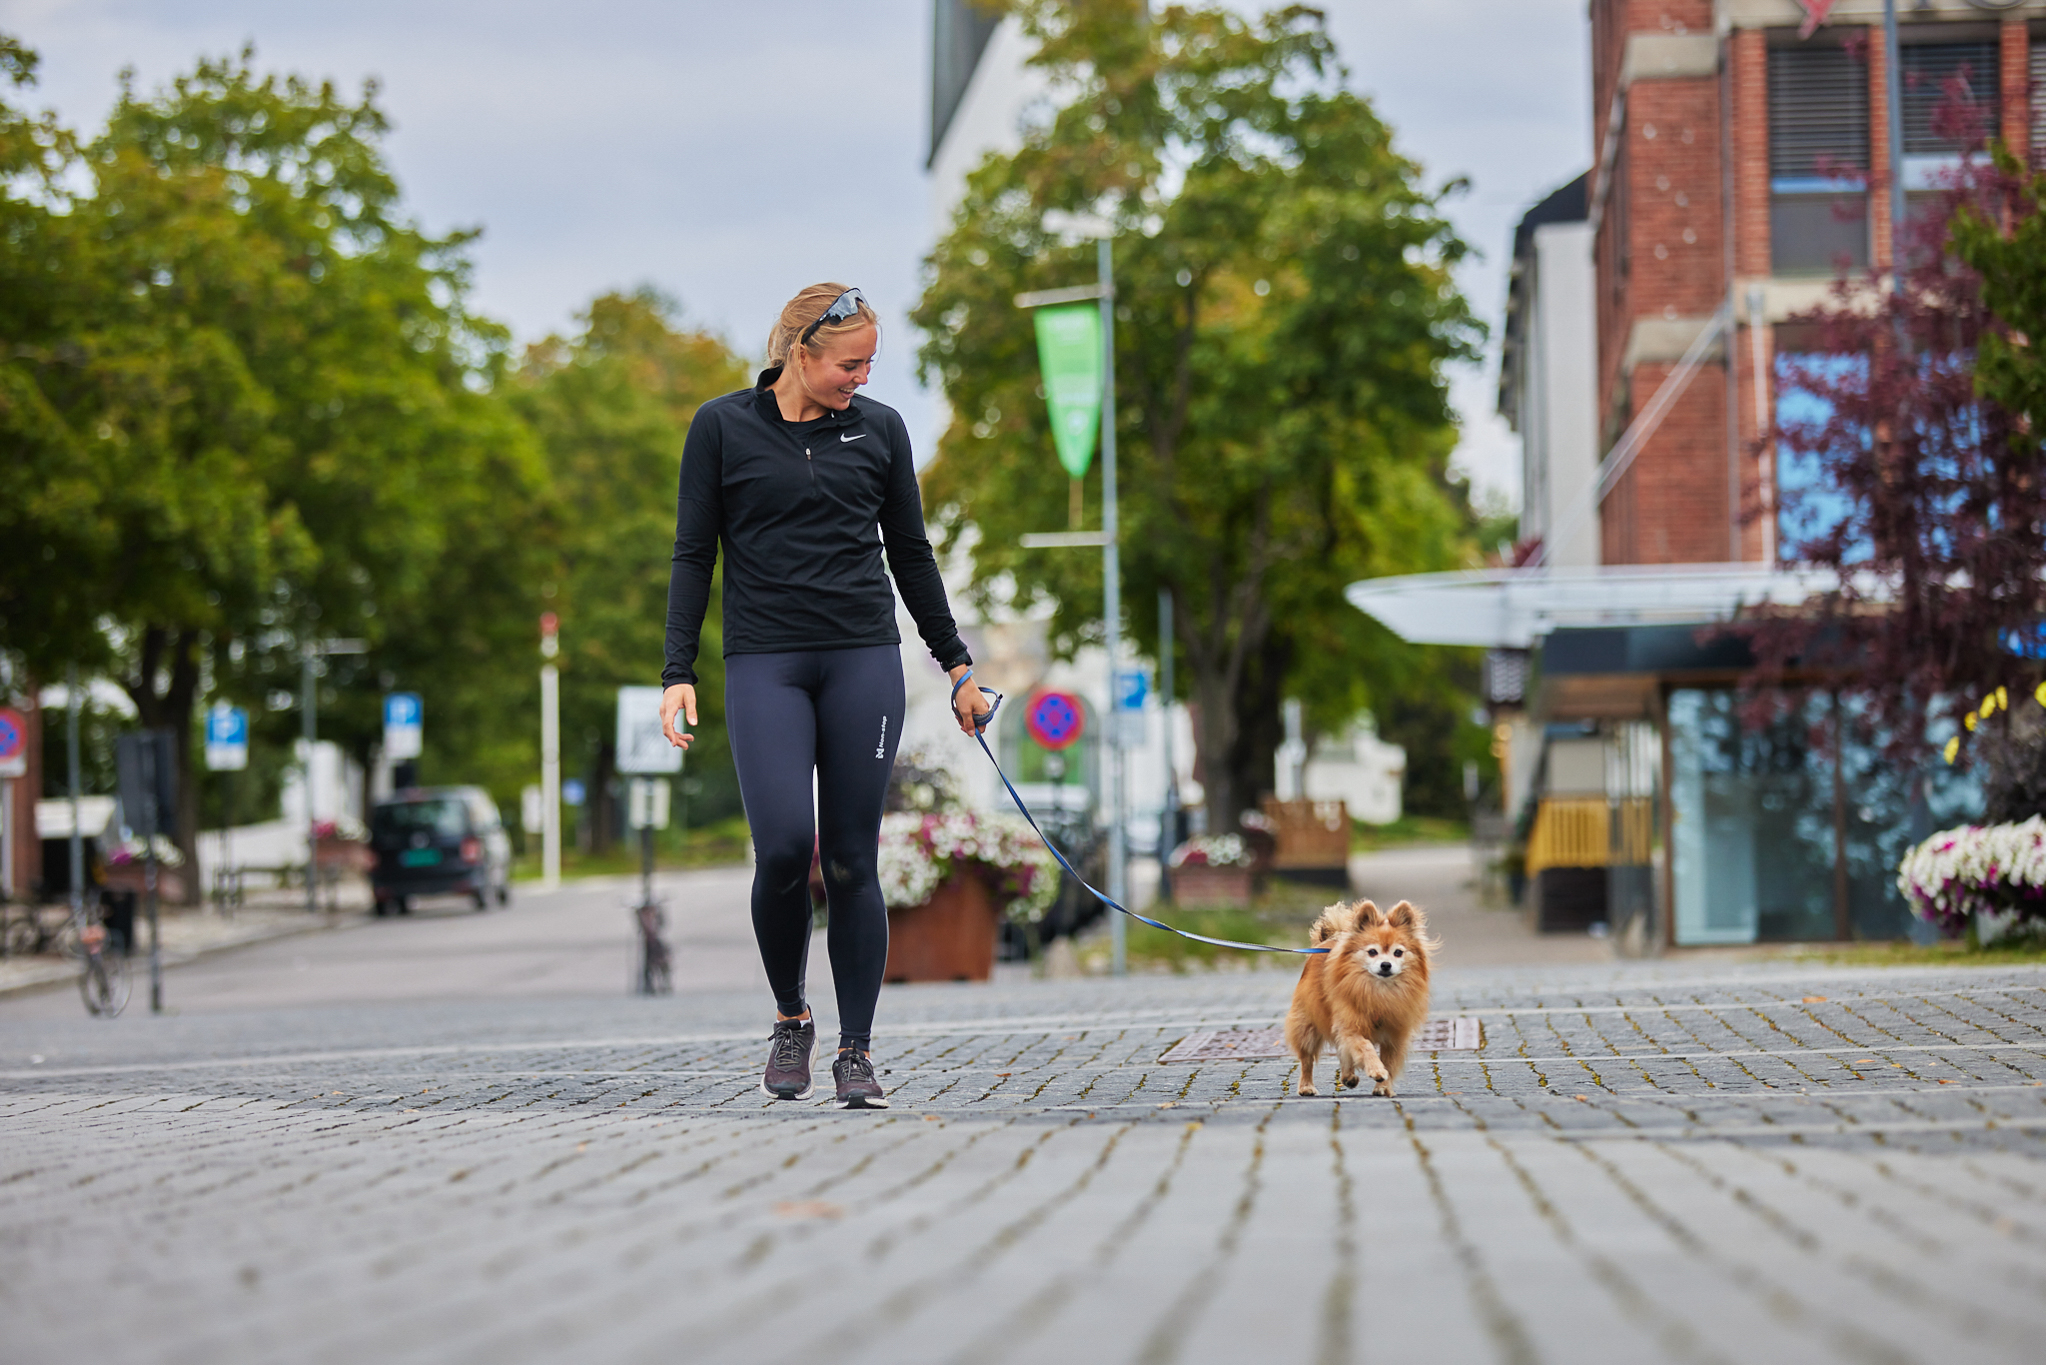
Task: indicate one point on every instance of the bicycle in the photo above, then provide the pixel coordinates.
(655, 976)
(104, 983)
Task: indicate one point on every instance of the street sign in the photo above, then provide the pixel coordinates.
(572, 792)
(13, 743)
(642, 748)
(227, 739)
(530, 817)
(647, 803)
(1132, 686)
(145, 764)
(404, 725)
(1054, 719)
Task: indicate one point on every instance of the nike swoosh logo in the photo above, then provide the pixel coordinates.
(861, 437)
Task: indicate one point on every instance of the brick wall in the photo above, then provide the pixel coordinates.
(2016, 80)
(1662, 257)
(1671, 506)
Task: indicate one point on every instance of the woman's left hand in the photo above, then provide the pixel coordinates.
(967, 701)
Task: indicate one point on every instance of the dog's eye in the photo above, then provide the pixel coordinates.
(1371, 952)
(1399, 952)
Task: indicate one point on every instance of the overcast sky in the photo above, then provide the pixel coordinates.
(730, 153)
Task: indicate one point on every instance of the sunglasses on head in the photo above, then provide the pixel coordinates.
(846, 305)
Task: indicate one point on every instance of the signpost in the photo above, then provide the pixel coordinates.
(1132, 687)
(404, 725)
(146, 764)
(644, 752)
(1102, 292)
(227, 751)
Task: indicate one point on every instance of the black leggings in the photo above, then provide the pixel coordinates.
(838, 713)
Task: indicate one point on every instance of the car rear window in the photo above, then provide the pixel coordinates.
(442, 817)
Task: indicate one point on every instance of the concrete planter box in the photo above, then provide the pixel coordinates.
(950, 937)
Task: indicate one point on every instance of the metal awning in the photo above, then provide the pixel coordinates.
(1512, 608)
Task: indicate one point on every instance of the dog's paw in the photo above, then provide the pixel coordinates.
(1377, 1073)
(1308, 1092)
(1349, 1082)
(1384, 1087)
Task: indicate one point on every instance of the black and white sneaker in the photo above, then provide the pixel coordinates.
(857, 1088)
(788, 1061)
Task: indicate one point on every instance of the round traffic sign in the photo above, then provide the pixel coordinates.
(1054, 719)
(13, 734)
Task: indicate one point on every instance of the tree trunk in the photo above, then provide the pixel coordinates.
(1260, 721)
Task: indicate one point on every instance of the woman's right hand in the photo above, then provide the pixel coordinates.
(679, 698)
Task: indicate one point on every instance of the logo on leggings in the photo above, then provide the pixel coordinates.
(881, 749)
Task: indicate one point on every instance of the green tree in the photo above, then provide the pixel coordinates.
(610, 408)
(1284, 310)
(266, 384)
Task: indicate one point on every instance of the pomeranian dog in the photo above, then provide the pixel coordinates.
(1366, 995)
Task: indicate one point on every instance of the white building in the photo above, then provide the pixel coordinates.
(1548, 375)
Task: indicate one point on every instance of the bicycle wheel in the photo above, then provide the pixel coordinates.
(105, 984)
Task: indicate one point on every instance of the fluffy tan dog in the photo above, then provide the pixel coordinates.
(1366, 995)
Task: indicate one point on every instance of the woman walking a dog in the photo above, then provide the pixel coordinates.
(808, 486)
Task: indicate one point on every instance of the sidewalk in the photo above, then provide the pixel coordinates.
(1668, 1161)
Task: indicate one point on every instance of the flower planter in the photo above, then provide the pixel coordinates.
(1195, 884)
(950, 937)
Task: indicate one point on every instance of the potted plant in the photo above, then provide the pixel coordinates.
(1991, 878)
(949, 878)
(1212, 869)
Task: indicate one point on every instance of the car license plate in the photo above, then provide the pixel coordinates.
(419, 857)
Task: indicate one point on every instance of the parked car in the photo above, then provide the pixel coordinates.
(435, 841)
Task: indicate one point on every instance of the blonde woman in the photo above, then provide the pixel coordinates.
(808, 487)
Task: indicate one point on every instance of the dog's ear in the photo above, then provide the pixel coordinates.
(1402, 916)
(1366, 914)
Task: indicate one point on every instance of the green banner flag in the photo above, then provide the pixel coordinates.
(1069, 349)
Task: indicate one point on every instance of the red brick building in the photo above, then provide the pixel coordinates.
(1742, 157)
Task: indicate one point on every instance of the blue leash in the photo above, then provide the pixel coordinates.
(980, 724)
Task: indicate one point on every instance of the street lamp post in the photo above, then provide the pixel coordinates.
(1111, 592)
(1103, 291)
(550, 752)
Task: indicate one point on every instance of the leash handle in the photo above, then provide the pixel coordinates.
(981, 722)
(1053, 848)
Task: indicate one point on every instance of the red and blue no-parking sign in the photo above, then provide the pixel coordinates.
(1054, 719)
(13, 743)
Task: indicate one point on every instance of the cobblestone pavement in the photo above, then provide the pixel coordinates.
(1672, 1161)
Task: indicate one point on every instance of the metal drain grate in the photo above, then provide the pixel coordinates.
(1458, 1033)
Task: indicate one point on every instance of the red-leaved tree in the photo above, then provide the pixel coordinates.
(1917, 479)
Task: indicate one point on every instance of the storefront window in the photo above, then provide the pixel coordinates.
(1759, 823)
(1752, 833)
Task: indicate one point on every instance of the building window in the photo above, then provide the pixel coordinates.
(2039, 102)
(1769, 810)
(1950, 108)
(1818, 160)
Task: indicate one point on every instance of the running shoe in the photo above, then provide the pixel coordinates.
(857, 1088)
(788, 1061)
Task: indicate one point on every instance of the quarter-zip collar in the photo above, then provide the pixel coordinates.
(764, 400)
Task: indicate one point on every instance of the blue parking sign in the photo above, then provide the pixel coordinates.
(404, 725)
(1132, 686)
(227, 739)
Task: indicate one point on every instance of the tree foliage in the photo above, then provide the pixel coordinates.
(610, 408)
(1917, 477)
(1284, 310)
(259, 388)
